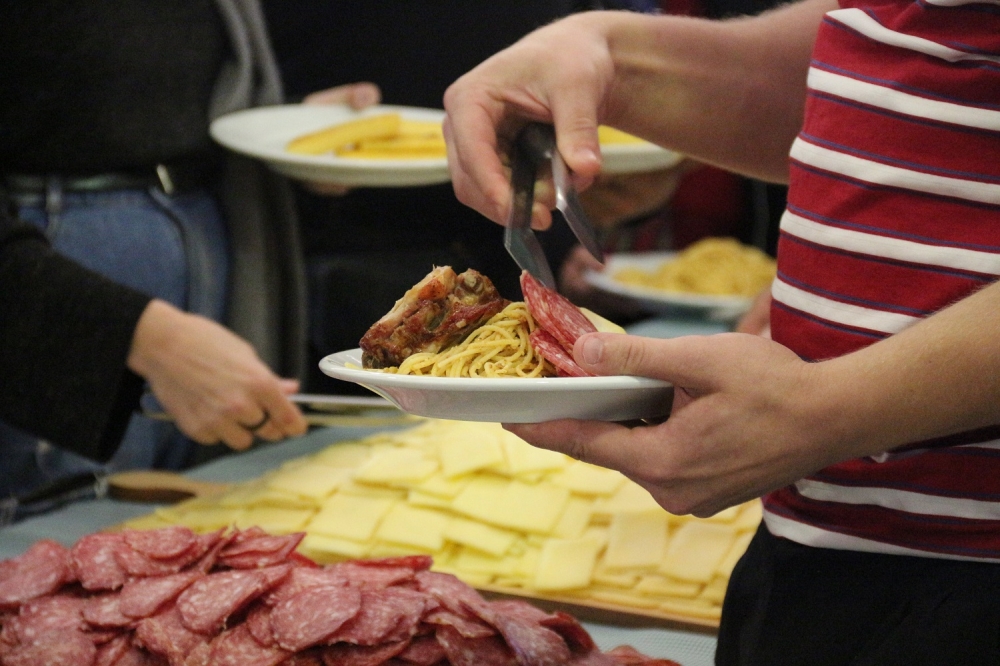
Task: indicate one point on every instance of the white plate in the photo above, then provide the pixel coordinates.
(658, 300)
(264, 132)
(509, 400)
(636, 157)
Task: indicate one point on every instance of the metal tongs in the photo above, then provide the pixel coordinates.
(535, 143)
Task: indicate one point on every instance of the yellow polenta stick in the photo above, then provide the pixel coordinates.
(402, 147)
(346, 134)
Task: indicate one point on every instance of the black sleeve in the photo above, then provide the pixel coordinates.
(65, 334)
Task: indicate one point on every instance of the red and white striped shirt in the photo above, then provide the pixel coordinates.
(894, 213)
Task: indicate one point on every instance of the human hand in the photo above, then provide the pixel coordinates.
(748, 416)
(357, 96)
(757, 320)
(211, 380)
(559, 74)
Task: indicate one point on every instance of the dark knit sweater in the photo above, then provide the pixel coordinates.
(130, 94)
(65, 334)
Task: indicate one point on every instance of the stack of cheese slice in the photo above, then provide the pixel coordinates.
(496, 512)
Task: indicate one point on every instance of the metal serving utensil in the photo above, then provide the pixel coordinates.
(535, 143)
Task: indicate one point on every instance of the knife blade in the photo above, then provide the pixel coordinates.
(535, 144)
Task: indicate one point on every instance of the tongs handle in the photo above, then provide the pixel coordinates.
(537, 142)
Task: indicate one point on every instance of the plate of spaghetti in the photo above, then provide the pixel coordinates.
(453, 348)
(718, 275)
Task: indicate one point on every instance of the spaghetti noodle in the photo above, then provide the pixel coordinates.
(498, 348)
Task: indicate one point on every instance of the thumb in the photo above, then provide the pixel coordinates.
(681, 361)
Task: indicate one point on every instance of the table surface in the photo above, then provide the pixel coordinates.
(71, 522)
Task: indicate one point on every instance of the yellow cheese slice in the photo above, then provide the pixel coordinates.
(574, 519)
(315, 482)
(629, 498)
(652, 584)
(692, 608)
(371, 490)
(532, 508)
(695, 551)
(320, 548)
(566, 564)
(413, 526)
(344, 454)
(396, 466)
(715, 591)
(486, 538)
(352, 517)
(437, 484)
(522, 458)
(636, 540)
(468, 448)
(276, 520)
(480, 497)
(417, 498)
(586, 479)
(750, 516)
(728, 563)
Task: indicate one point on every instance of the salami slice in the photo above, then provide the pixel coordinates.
(142, 597)
(104, 611)
(386, 616)
(485, 651)
(549, 349)
(468, 627)
(423, 651)
(413, 562)
(54, 649)
(310, 616)
(372, 574)
(518, 622)
(302, 578)
(450, 592)
(40, 570)
(210, 600)
(567, 626)
(94, 561)
(237, 647)
(345, 654)
(258, 621)
(165, 634)
(259, 551)
(161, 544)
(554, 312)
(111, 652)
(49, 615)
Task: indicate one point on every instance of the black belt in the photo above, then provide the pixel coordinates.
(171, 179)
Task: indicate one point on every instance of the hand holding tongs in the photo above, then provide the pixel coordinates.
(537, 142)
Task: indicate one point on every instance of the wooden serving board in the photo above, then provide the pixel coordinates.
(604, 613)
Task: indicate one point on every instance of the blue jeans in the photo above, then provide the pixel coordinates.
(171, 247)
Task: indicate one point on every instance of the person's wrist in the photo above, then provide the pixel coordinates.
(152, 333)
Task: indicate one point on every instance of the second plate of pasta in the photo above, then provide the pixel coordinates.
(509, 400)
(662, 282)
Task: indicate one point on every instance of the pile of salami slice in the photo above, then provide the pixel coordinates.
(560, 324)
(246, 598)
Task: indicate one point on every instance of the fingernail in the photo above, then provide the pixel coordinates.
(593, 350)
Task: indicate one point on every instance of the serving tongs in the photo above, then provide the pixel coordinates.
(535, 144)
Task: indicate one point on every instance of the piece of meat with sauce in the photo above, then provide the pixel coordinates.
(437, 312)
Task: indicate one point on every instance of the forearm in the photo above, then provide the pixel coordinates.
(730, 93)
(64, 335)
(936, 378)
